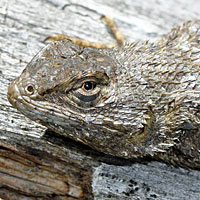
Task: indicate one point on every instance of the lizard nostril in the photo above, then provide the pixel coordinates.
(30, 89)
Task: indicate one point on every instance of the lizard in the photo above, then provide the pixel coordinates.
(141, 99)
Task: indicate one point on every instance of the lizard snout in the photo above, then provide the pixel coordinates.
(13, 93)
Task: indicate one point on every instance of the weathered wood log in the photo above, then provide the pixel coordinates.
(39, 165)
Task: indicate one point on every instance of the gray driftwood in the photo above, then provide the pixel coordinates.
(33, 166)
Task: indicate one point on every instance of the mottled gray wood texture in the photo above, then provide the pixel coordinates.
(54, 167)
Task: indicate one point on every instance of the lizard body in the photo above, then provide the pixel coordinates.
(142, 99)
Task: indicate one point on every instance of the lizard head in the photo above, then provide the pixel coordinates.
(142, 99)
(80, 93)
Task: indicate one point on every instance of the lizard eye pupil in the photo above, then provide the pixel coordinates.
(89, 85)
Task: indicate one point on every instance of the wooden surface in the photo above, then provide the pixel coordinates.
(53, 167)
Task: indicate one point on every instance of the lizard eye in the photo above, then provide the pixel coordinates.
(89, 85)
(86, 93)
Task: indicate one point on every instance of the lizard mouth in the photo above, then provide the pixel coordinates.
(13, 94)
(24, 103)
(18, 101)
(42, 112)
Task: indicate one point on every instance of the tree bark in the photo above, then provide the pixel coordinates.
(39, 164)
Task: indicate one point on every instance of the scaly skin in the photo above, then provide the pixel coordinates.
(139, 100)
